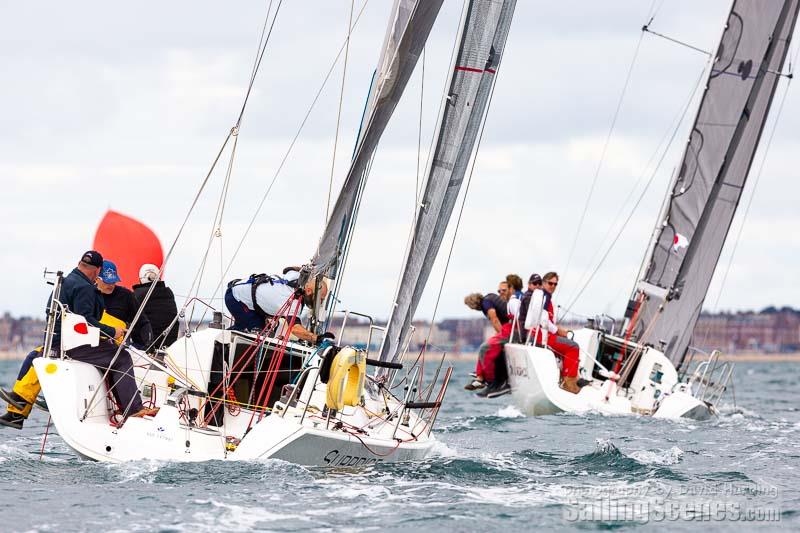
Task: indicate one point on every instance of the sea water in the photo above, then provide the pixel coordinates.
(493, 469)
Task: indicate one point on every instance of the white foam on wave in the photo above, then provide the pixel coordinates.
(604, 445)
(509, 411)
(22, 448)
(729, 411)
(135, 470)
(441, 449)
(520, 495)
(232, 517)
(660, 457)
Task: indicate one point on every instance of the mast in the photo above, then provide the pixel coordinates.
(704, 195)
(408, 30)
(482, 39)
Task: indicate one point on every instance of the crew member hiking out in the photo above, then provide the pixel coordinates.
(494, 362)
(255, 300)
(79, 294)
(493, 306)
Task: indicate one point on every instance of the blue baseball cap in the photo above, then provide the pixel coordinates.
(108, 274)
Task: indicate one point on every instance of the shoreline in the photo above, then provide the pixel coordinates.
(746, 357)
(749, 357)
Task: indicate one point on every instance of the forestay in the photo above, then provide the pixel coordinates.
(482, 39)
(409, 27)
(706, 190)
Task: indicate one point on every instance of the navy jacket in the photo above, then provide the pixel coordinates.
(82, 297)
(493, 301)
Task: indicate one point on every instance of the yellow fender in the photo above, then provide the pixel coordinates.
(346, 381)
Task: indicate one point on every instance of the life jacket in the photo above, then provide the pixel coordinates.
(256, 280)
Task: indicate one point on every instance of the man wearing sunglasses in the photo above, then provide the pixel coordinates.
(546, 331)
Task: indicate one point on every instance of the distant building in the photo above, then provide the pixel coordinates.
(20, 334)
(771, 330)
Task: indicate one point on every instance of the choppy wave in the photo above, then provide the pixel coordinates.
(492, 468)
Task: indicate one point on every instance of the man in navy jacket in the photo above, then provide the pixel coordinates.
(79, 294)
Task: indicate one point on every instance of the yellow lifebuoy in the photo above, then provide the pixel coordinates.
(346, 381)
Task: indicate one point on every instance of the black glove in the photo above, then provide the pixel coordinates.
(325, 336)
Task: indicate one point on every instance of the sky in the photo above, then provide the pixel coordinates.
(124, 106)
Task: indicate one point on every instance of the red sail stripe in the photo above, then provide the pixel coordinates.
(478, 70)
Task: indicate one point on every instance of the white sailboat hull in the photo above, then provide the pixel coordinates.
(534, 379)
(303, 436)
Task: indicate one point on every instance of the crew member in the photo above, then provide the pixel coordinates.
(494, 364)
(493, 306)
(534, 282)
(556, 336)
(254, 301)
(514, 283)
(121, 306)
(160, 308)
(80, 295)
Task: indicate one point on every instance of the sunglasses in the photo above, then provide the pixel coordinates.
(553, 283)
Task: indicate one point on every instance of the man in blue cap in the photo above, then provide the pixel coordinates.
(121, 306)
(79, 293)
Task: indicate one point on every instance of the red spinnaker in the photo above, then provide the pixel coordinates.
(128, 243)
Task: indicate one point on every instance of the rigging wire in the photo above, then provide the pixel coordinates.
(90, 403)
(339, 113)
(674, 126)
(264, 41)
(216, 227)
(233, 132)
(638, 200)
(266, 33)
(607, 141)
(285, 157)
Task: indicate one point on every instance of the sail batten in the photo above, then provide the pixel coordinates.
(711, 177)
(481, 42)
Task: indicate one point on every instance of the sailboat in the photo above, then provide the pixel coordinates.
(645, 367)
(230, 395)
